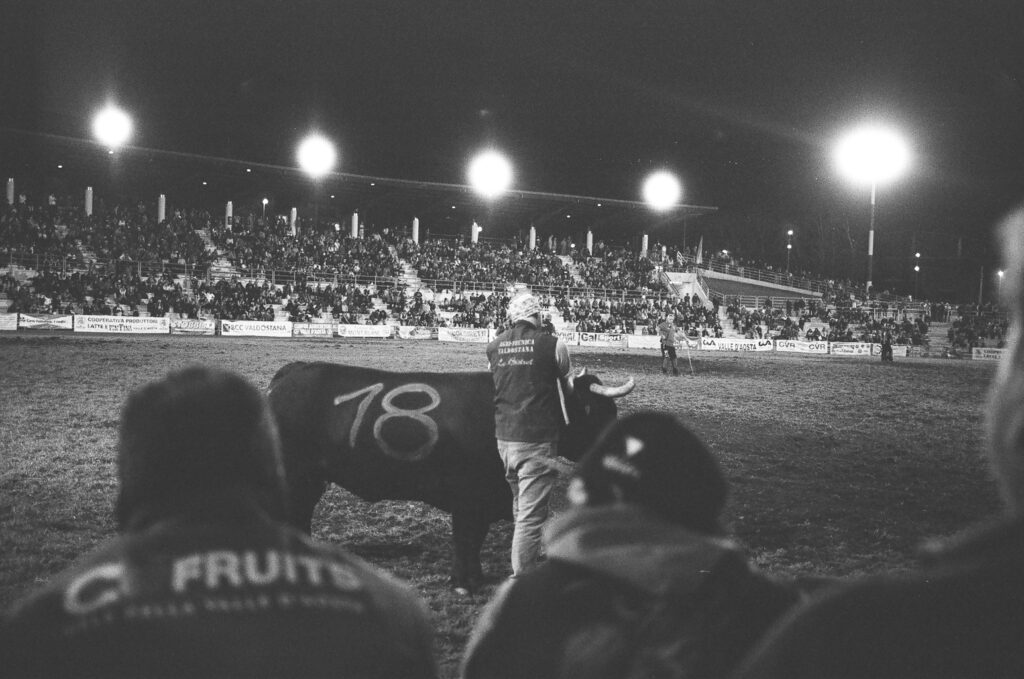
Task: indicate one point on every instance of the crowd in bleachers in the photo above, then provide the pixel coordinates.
(978, 327)
(58, 233)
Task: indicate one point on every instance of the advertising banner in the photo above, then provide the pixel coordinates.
(897, 350)
(602, 339)
(45, 322)
(738, 344)
(478, 335)
(134, 325)
(643, 342)
(801, 347)
(256, 328)
(849, 348)
(313, 330)
(193, 326)
(987, 353)
(416, 332)
(569, 337)
(8, 321)
(378, 331)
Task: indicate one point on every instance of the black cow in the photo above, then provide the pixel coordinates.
(413, 436)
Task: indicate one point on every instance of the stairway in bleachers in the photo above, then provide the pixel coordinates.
(220, 267)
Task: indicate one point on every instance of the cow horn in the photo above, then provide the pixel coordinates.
(613, 392)
(582, 372)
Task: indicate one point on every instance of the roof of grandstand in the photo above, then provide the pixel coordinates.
(449, 208)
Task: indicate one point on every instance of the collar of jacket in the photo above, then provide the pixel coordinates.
(624, 542)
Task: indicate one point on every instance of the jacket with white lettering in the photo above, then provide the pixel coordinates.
(526, 371)
(219, 594)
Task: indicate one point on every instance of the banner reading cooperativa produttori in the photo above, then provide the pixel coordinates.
(133, 325)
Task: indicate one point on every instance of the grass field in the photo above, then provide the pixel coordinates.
(838, 467)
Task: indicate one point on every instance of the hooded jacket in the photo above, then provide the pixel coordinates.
(579, 613)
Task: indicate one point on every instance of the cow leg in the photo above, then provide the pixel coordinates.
(468, 532)
(303, 494)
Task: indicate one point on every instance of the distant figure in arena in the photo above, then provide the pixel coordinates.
(667, 336)
(206, 580)
(962, 614)
(640, 580)
(531, 368)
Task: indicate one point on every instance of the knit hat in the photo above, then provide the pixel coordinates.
(194, 435)
(522, 305)
(652, 460)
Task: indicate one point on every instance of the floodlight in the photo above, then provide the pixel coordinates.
(112, 127)
(490, 174)
(316, 156)
(872, 155)
(662, 190)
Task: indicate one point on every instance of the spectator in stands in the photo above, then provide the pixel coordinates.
(960, 615)
(206, 579)
(639, 579)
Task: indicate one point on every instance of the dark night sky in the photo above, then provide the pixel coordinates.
(743, 99)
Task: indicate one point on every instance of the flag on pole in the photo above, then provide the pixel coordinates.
(700, 249)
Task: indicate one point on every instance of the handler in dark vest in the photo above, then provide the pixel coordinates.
(206, 579)
(531, 368)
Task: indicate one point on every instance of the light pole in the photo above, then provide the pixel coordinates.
(872, 155)
(917, 270)
(789, 247)
(265, 201)
(999, 284)
(316, 157)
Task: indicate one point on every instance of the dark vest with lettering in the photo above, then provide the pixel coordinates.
(525, 373)
(241, 596)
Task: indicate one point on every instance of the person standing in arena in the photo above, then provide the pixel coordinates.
(640, 580)
(667, 336)
(206, 579)
(531, 370)
(960, 615)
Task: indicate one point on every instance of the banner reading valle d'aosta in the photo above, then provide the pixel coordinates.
(738, 344)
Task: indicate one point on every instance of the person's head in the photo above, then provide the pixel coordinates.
(1006, 403)
(194, 437)
(524, 307)
(654, 461)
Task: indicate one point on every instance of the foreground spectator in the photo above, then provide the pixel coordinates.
(206, 580)
(639, 580)
(960, 616)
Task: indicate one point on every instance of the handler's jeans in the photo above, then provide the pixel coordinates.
(531, 481)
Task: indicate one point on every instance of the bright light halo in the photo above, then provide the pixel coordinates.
(662, 190)
(872, 155)
(490, 174)
(112, 127)
(317, 156)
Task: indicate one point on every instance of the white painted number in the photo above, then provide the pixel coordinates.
(392, 411)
